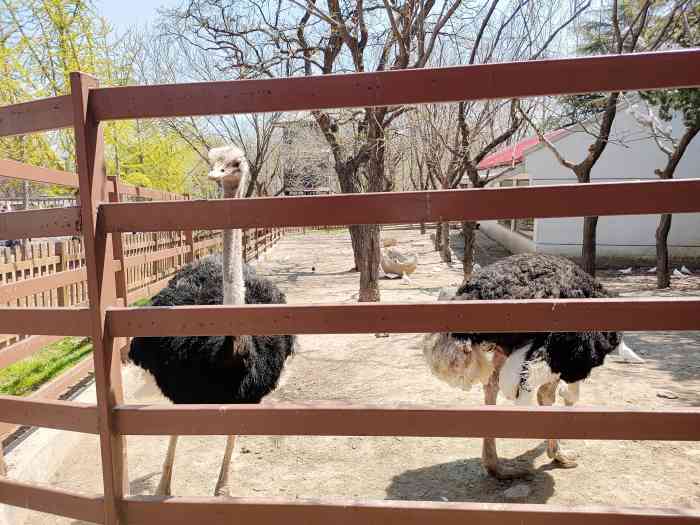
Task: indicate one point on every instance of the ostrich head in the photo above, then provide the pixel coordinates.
(230, 167)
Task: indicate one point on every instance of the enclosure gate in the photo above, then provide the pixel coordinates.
(101, 223)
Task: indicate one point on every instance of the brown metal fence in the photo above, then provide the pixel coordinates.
(101, 224)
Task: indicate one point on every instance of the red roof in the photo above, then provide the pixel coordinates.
(513, 155)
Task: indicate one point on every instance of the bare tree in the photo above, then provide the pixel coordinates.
(168, 57)
(294, 37)
(619, 33)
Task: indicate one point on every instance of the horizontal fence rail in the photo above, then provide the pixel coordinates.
(339, 420)
(272, 511)
(39, 115)
(20, 170)
(542, 315)
(50, 222)
(52, 500)
(63, 415)
(573, 200)
(45, 321)
(412, 86)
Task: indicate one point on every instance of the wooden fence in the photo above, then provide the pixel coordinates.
(52, 274)
(101, 223)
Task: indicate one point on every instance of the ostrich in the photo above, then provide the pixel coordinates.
(216, 370)
(522, 365)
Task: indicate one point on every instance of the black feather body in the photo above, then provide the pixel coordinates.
(538, 276)
(205, 370)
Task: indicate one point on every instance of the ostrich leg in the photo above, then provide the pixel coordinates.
(546, 396)
(222, 484)
(489, 454)
(3, 467)
(167, 475)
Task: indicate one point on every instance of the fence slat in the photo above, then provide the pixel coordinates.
(45, 321)
(571, 200)
(38, 115)
(272, 511)
(545, 315)
(25, 348)
(63, 415)
(20, 170)
(413, 86)
(52, 500)
(335, 419)
(94, 188)
(49, 222)
(11, 291)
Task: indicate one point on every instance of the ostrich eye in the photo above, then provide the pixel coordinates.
(221, 170)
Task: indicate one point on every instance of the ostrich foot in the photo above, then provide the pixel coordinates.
(561, 457)
(504, 472)
(163, 490)
(222, 492)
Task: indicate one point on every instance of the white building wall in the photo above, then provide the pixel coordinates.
(632, 155)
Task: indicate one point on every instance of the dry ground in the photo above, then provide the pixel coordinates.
(370, 370)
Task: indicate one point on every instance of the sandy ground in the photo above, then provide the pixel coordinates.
(370, 370)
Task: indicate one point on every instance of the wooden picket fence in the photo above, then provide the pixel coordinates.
(52, 274)
(103, 219)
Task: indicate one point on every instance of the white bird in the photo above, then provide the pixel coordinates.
(676, 273)
(685, 270)
(476, 267)
(627, 355)
(652, 270)
(626, 270)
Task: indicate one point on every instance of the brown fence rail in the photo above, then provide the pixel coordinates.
(103, 243)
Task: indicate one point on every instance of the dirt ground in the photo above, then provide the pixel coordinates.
(384, 371)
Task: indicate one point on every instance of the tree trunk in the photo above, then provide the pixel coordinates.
(588, 249)
(369, 254)
(437, 242)
(663, 274)
(422, 228)
(356, 240)
(445, 254)
(469, 234)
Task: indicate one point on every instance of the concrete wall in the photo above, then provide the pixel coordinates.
(632, 155)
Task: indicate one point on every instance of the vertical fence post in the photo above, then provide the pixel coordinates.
(189, 239)
(89, 145)
(118, 248)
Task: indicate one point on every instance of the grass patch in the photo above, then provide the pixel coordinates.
(25, 376)
(146, 301)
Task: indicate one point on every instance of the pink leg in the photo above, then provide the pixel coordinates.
(489, 454)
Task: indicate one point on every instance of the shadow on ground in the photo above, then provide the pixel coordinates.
(465, 481)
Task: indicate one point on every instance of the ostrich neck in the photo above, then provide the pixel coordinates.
(234, 285)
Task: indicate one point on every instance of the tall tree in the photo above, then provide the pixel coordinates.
(619, 28)
(682, 29)
(303, 37)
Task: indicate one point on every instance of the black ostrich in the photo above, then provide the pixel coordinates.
(221, 369)
(522, 364)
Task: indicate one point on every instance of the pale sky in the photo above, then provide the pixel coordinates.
(123, 14)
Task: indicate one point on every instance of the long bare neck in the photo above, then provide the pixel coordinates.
(234, 285)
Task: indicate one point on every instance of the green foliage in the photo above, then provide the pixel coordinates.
(25, 376)
(683, 101)
(41, 42)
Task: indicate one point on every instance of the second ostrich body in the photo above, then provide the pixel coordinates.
(215, 369)
(522, 365)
